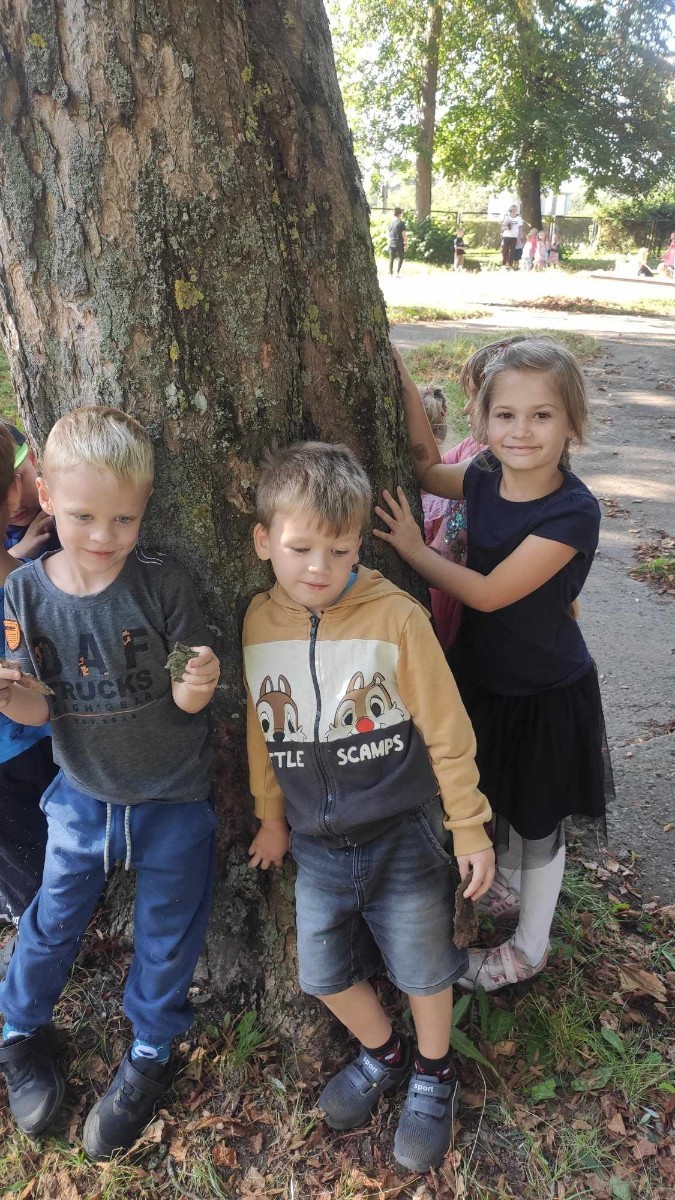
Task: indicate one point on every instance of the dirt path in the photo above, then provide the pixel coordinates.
(629, 627)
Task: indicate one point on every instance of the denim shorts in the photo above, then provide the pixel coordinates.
(389, 901)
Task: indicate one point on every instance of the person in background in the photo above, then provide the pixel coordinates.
(541, 250)
(459, 249)
(511, 225)
(529, 249)
(397, 241)
(30, 531)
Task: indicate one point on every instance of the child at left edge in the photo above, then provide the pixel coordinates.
(95, 621)
(357, 737)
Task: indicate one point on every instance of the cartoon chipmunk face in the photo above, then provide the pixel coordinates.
(363, 708)
(278, 712)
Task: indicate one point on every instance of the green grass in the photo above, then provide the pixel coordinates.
(403, 313)
(659, 570)
(8, 409)
(439, 363)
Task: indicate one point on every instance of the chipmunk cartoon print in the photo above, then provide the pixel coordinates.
(278, 712)
(364, 708)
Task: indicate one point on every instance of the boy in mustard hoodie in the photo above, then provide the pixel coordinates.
(358, 740)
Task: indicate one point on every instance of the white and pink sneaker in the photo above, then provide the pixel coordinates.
(498, 967)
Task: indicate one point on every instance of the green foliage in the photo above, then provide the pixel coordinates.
(631, 222)
(8, 409)
(552, 87)
(380, 52)
(560, 88)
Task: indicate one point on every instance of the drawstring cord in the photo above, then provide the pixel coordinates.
(106, 844)
(127, 836)
(108, 836)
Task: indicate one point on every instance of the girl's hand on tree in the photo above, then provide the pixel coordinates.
(203, 671)
(481, 865)
(270, 844)
(404, 534)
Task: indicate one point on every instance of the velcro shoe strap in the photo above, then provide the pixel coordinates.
(368, 1070)
(428, 1105)
(509, 962)
(142, 1083)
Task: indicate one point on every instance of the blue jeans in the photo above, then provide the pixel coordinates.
(390, 900)
(172, 848)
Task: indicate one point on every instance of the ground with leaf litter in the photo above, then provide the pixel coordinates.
(568, 1085)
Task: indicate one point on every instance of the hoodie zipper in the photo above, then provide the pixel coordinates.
(325, 779)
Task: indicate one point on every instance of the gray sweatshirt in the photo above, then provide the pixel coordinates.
(117, 733)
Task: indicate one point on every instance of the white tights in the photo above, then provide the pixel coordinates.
(539, 889)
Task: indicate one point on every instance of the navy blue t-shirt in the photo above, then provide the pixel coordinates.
(534, 644)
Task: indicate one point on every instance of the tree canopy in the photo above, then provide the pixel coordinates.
(529, 92)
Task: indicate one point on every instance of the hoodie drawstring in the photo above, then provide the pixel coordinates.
(127, 836)
(108, 837)
(106, 844)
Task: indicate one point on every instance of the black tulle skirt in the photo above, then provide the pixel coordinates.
(541, 758)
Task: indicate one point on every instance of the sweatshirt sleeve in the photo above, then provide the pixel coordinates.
(268, 796)
(429, 691)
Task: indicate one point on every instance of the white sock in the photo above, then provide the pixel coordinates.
(510, 861)
(539, 891)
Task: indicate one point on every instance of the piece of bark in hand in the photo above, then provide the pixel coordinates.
(28, 681)
(466, 917)
(178, 660)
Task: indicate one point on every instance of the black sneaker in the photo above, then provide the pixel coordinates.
(350, 1096)
(6, 956)
(119, 1117)
(34, 1085)
(425, 1130)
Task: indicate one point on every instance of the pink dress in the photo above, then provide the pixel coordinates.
(445, 531)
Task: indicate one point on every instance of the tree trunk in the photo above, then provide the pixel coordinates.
(425, 141)
(183, 234)
(529, 191)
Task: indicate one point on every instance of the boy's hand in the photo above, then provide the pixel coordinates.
(203, 671)
(8, 677)
(482, 864)
(269, 844)
(37, 533)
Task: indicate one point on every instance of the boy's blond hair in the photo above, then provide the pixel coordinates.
(101, 437)
(324, 480)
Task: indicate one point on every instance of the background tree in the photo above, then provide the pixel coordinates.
(183, 233)
(394, 60)
(553, 88)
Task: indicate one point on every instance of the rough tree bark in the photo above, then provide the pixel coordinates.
(427, 126)
(183, 234)
(529, 192)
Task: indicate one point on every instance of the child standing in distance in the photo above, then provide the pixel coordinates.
(541, 249)
(374, 771)
(95, 621)
(460, 249)
(523, 668)
(529, 249)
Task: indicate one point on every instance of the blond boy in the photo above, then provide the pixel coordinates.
(95, 621)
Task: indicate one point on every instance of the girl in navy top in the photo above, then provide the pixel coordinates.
(524, 670)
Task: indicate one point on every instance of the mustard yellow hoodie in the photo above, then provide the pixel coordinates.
(354, 718)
